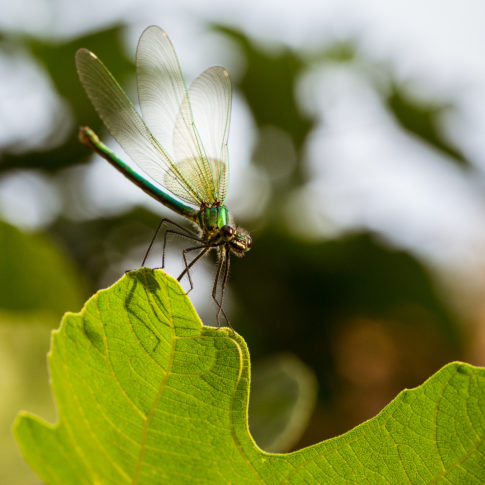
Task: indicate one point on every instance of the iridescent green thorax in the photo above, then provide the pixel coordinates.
(217, 230)
(212, 219)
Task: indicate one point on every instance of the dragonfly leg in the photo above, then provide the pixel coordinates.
(185, 233)
(224, 283)
(224, 256)
(189, 265)
(152, 241)
(187, 236)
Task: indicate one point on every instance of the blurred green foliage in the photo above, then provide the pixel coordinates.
(98, 243)
(37, 276)
(289, 294)
(421, 119)
(283, 395)
(57, 59)
(24, 384)
(300, 295)
(272, 76)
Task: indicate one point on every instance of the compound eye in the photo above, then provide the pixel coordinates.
(249, 242)
(228, 232)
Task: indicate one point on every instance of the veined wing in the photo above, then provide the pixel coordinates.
(193, 125)
(209, 101)
(124, 123)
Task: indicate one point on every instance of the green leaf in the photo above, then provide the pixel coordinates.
(146, 395)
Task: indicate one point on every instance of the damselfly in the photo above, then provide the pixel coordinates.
(180, 144)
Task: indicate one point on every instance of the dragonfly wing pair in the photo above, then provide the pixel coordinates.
(181, 141)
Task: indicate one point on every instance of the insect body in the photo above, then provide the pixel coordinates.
(180, 143)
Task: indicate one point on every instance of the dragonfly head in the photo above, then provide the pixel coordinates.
(238, 239)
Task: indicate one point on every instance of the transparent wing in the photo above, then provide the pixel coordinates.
(174, 115)
(126, 125)
(210, 105)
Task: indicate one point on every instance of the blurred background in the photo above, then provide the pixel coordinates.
(357, 165)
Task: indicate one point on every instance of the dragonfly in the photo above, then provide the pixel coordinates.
(178, 145)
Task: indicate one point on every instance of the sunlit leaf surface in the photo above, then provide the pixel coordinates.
(146, 394)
